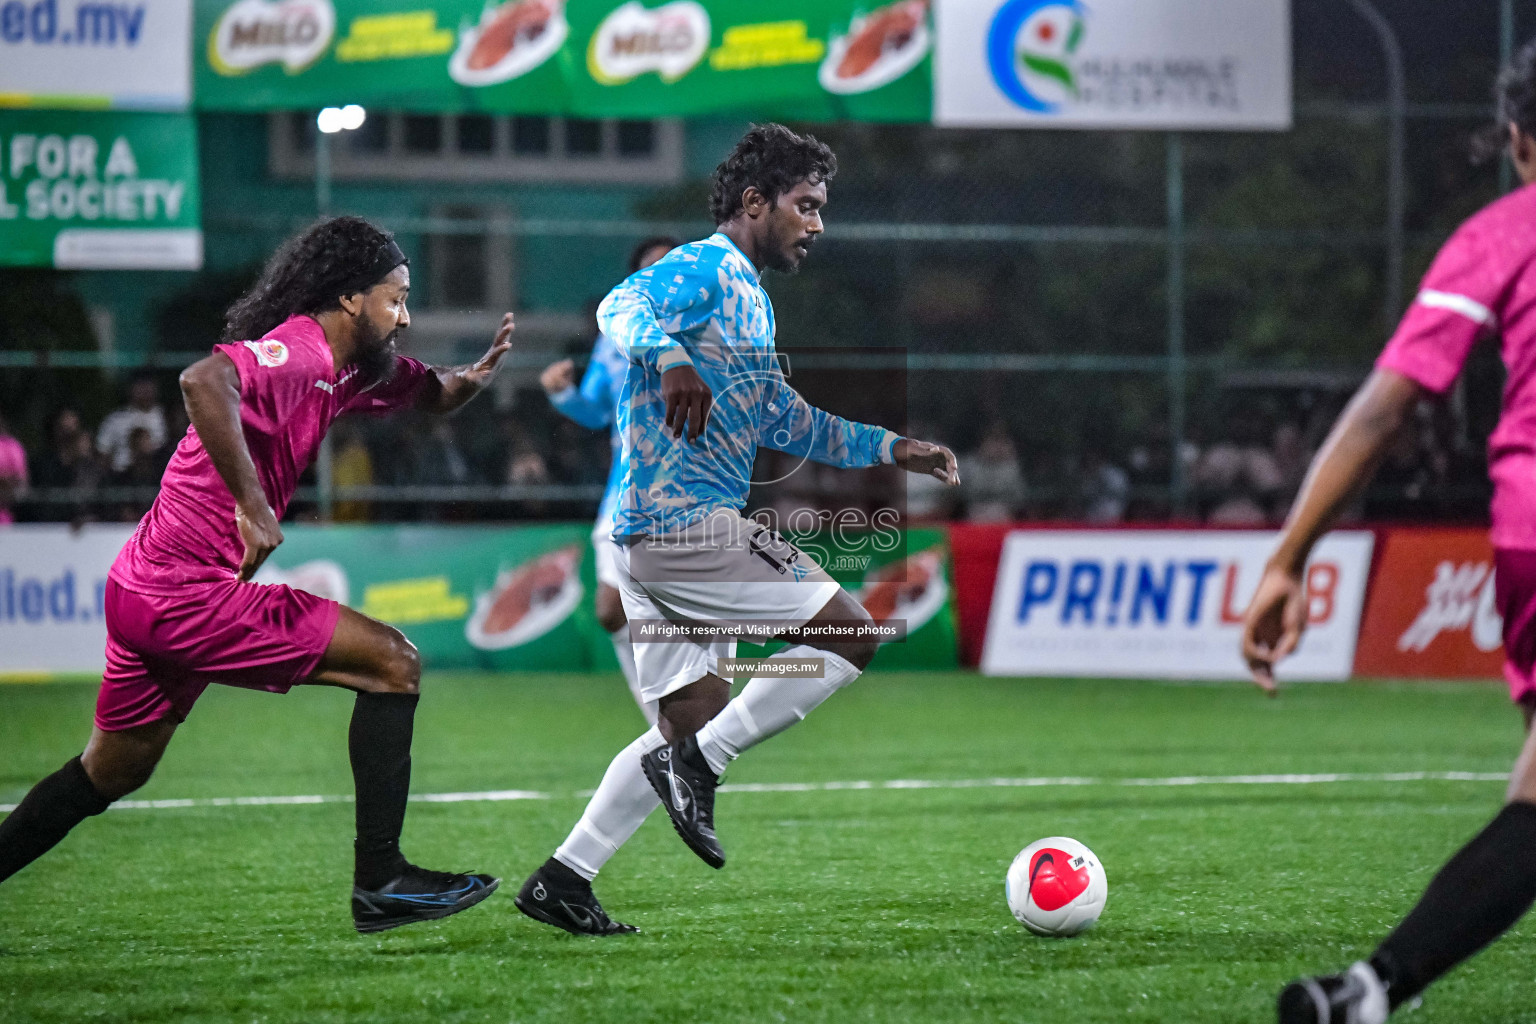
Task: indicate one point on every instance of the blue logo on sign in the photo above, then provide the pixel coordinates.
(1029, 47)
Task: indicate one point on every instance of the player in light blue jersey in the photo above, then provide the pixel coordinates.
(593, 404)
(703, 391)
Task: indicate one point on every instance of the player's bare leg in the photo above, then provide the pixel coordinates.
(383, 667)
(706, 731)
(1479, 894)
(113, 765)
(609, 607)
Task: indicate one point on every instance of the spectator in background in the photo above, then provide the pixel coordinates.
(142, 411)
(991, 481)
(351, 466)
(13, 472)
(1105, 488)
(146, 464)
(69, 462)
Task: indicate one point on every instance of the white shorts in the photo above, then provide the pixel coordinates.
(727, 569)
(606, 554)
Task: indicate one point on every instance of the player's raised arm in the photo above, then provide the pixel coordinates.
(591, 403)
(796, 426)
(1277, 615)
(449, 387)
(211, 389)
(681, 295)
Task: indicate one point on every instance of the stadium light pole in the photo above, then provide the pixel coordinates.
(1175, 286)
(329, 121)
(1397, 109)
(1506, 51)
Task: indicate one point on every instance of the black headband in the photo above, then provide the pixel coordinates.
(389, 257)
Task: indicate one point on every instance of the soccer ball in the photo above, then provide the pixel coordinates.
(1057, 887)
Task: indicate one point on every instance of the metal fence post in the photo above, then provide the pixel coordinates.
(1397, 108)
(1177, 398)
(1506, 51)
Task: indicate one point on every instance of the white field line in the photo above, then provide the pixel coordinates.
(1049, 782)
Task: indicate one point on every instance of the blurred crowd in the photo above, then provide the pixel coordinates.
(1242, 470)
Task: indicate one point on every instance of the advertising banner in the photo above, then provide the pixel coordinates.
(52, 585)
(808, 59)
(1164, 604)
(77, 53)
(470, 597)
(99, 191)
(1431, 611)
(1196, 64)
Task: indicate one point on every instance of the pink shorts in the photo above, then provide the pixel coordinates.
(1514, 590)
(164, 651)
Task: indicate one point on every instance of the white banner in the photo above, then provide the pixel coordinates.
(1197, 64)
(1161, 603)
(52, 582)
(130, 56)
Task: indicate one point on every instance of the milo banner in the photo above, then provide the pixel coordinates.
(489, 598)
(809, 59)
(99, 191)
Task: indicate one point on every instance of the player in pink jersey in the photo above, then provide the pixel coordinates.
(313, 339)
(1482, 283)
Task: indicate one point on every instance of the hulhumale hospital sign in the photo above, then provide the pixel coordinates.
(1197, 64)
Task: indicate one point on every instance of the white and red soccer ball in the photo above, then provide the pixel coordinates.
(1057, 887)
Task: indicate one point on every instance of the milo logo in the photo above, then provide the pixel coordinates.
(293, 33)
(632, 40)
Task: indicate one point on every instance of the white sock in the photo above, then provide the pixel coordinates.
(768, 705)
(624, 650)
(623, 800)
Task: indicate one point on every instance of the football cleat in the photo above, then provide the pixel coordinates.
(681, 777)
(1355, 997)
(559, 896)
(417, 895)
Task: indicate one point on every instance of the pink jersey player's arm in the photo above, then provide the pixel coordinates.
(211, 389)
(1277, 615)
(449, 387)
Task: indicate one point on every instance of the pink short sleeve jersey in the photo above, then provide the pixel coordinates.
(13, 468)
(289, 396)
(1482, 282)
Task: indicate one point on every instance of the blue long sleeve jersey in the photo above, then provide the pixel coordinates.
(703, 304)
(594, 404)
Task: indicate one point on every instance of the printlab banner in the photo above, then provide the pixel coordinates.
(808, 59)
(99, 191)
(79, 53)
(494, 598)
(1196, 64)
(1164, 604)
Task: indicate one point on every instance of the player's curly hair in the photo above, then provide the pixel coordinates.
(310, 273)
(774, 159)
(1514, 99)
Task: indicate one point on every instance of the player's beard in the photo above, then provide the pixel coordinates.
(376, 357)
(783, 256)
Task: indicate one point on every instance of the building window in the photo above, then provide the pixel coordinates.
(482, 147)
(477, 135)
(472, 270)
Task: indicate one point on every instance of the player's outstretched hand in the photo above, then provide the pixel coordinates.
(929, 459)
(558, 376)
(1273, 624)
(688, 400)
(484, 368)
(258, 528)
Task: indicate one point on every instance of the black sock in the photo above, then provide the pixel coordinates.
(561, 874)
(55, 805)
(379, 742)
(1485, 888)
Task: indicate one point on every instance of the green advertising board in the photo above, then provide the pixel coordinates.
(520, 598)
(804, 59)
(99, 190)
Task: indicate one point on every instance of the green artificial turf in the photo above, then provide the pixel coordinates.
(874, 904)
